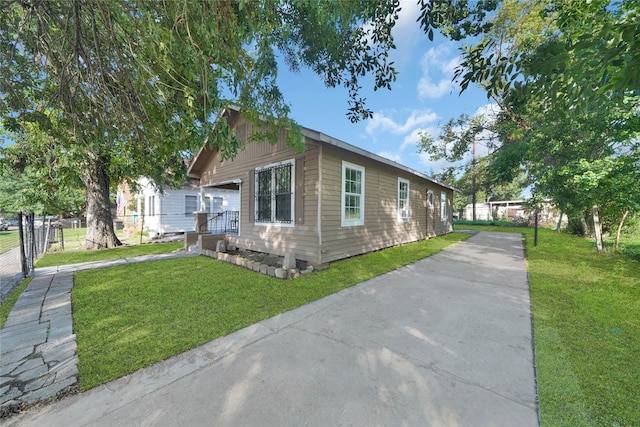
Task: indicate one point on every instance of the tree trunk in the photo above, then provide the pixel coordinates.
(100, 233)
(597, 228)
(584, 227)
(624, 216)
(559, 222)
(473, 180)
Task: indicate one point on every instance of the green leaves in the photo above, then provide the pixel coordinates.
(565, 75)
(138, 84)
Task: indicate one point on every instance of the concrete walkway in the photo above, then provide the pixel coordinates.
(37, 345)
(445, 341)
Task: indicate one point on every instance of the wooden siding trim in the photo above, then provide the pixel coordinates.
(252, 191)
(299, 190)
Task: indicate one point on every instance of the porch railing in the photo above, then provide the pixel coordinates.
(221, 222)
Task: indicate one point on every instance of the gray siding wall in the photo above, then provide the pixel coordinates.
(381, 226)
(302, 238)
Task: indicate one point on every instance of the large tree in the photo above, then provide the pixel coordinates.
(125, 88)
(566, 77)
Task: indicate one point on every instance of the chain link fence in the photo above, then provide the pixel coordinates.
(23, 238)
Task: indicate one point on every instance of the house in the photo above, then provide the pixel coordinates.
(330, 202)
(512, 210)
(172, 210)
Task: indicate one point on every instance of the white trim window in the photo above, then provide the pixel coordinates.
(352, 204)
(403, 200)
(151, 206)
(217, 204)
(274, 193)
(430, 201)
(213, 204)
(190, 204)
(443, 206)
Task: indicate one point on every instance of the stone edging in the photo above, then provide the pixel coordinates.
(277, 272)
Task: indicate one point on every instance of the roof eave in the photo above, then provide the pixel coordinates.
(319, 136)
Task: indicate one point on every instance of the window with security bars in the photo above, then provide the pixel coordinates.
(274, 194)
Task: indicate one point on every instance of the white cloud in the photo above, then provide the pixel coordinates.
(489, 111)
(438, 67)
(382, 123)
(391, 156)
(414, 137)
(436, 166)
(406, 32)
(398, 136)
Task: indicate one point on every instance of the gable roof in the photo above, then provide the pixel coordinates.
(232, 113)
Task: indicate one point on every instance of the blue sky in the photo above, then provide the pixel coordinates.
(422, 98)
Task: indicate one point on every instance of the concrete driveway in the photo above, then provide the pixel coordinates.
(443, 342)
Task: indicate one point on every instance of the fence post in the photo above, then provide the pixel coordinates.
(45, 246)
(23, 256)
(32, 228)
(535, 230)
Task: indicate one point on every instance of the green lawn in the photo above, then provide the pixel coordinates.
(131, 316)
(74, 239)
(73, 257)
(586, 318)
(629, 245)
(8, 240)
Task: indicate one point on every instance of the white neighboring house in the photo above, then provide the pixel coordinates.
(509, 210)
(496, 210)
(172, 211)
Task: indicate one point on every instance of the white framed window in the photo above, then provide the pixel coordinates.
(352, 195)
(216, 204)
(190, 205)
(443, 206)
(430, 202)
(151, 206)
(403, 200)
(213, 204)
(274, 195)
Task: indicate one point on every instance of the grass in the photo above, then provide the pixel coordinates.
(586, 318)
(73, 257)
(463, 223)
(8, 240)
(8, 303)
(63, 258)
(629, 245)
(131, 316)
(74, 239)
(585, 306)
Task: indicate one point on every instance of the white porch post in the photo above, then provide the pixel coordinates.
(202, 199)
